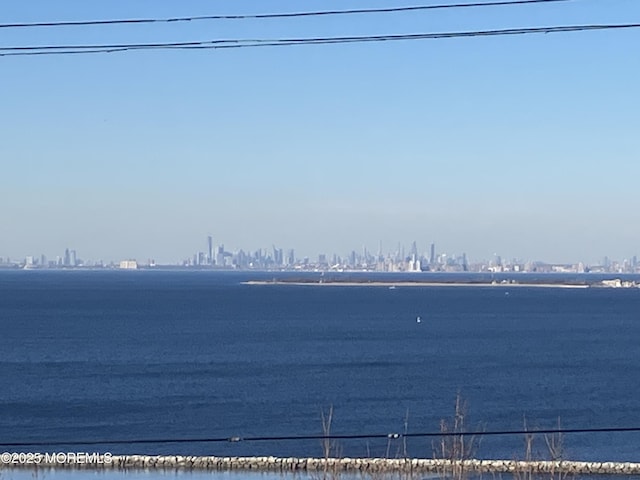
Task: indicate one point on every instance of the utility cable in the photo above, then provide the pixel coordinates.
(318, 437)
(278, 15)
(248, 43)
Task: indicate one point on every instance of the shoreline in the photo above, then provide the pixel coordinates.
(334, 283)
(366, 466)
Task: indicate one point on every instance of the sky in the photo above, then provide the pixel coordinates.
(521, 146)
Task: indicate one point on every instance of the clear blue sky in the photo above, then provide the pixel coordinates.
(523, 146)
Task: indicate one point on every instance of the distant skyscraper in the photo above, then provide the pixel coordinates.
(67, 258)
(210, 250)
(432, 255)
(220, 256)
(278, 256)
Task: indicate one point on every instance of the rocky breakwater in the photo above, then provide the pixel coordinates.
(335, 465)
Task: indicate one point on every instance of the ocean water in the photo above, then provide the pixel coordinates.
(151, 355)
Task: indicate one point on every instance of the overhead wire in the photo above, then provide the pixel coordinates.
(236, 439)
(253, 43)
(278, 15)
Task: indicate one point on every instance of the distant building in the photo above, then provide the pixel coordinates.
(129, 265)
(220, 256)
(413, 265)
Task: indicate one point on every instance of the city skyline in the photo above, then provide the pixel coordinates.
(415, 256)
(523, 146)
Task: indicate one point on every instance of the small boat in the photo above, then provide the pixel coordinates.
(418, 320)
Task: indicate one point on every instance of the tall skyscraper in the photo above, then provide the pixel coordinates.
(278, 256)
(210, 250)
(432, 255)
(220, 256)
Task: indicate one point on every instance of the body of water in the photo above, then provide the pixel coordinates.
(127, 356)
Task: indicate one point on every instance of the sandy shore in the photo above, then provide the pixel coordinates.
(414, 284)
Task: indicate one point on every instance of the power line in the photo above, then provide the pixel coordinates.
(322, 437)
(249, 43)
(277, 15)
